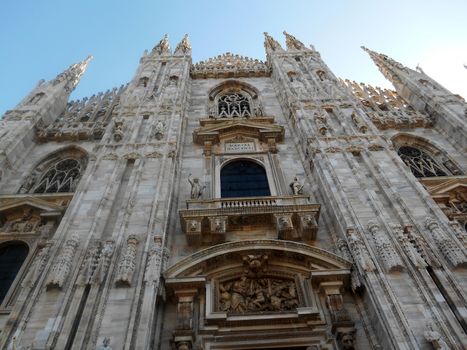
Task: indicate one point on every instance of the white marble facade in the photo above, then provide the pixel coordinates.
(116, 204)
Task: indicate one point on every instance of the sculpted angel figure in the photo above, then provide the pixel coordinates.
(196, 188)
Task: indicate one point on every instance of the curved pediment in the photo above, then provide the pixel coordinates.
(229, 65)
(292, 255)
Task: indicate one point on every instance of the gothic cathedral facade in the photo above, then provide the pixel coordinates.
(235, 204)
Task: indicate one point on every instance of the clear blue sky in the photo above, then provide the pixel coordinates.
(38, 39)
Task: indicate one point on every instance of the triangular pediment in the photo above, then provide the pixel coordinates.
(12, 203)
(241, 126)
(440, 186)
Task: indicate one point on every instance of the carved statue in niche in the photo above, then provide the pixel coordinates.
(118, 130)
(159, 130)
(296, 186)
(196, 188)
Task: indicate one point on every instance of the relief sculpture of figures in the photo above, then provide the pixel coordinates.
(254, 295)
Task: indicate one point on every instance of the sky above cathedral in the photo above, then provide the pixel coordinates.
(39, 39)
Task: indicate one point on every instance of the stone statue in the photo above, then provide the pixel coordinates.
(296, 187)
(258, 111)
(196, 188)
(159, 130)
(435, 339)
(25, 223)
(105, 344)
(29, 183)
(347, 341)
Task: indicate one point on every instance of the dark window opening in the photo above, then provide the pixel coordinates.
(244, 179)
(12, 257)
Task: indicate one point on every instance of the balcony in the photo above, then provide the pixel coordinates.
(208, 221)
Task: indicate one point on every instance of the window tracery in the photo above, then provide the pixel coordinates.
(420, 162)
(60, 172)
(233, 105)
(63, 176)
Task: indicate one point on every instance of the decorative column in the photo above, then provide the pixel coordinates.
(388, 255)
(62, 267)
(127, 264)
(451, 251)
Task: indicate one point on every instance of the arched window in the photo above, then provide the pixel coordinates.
(59, 172)
(63, 176)
(421, 163)
(244, 178)
(233, 105)
(12, 257)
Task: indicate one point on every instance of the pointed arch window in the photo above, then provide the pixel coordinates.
(420, 162)
(59, 172)
(12, 257)
(233, 105)
(243, 178)
(63, 176)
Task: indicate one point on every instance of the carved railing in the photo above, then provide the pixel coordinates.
(207, 221)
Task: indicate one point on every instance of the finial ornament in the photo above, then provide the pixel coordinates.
(184, 46)
(163, 46)
(293, 43)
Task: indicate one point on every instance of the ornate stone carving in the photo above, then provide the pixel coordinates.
(62, 266)
(358, 121)
(460, 233)
(183, 345)
(408, 247)
(388, 255)
(321, 123)
(37, 266)
(29, 183)
(162, 47)
(183, 47)
(105, 344)
(196, 188)
(26, 223)
(293, 43)
(435, 339)
(159, 130)
(118, 130)
(229, 65)
(422, 246)
(346, 340)
(255, 266)
(185, 312)
(307, 226)
(155, 262)
(448, 247)
(127, 264)
(359, 251)
(355, 282)
(245, 295)
(218, 224)
(284, 225)
(95, 263)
